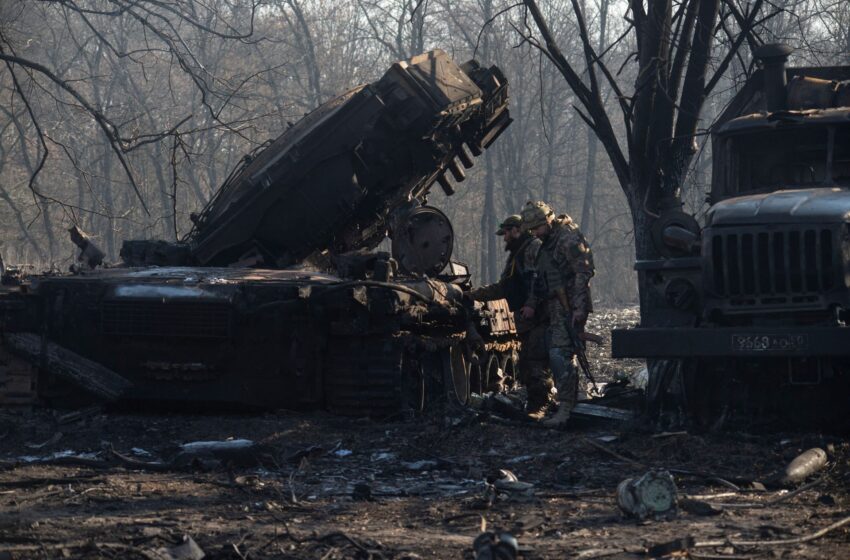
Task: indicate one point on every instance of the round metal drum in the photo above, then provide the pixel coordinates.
(423, 241)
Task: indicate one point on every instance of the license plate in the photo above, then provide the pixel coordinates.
(769, 342)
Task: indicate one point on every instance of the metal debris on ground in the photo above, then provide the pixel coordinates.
(677, 548)
(598, 411)
(804, 465)
(488, 497)
(53, 439)
(187, 550)
(211, 454)
(699, 507)
(80, 414)
(495, 546)
(362, 492)
(421, 465)
(508, 482)
(653, 495)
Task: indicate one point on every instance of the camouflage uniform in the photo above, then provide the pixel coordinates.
(533, 354)
(565, 262)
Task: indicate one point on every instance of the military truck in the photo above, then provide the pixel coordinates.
(752, 311)
(278, 297)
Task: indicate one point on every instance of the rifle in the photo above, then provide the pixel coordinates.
(577, 338)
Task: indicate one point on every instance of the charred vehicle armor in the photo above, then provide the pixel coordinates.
(275, 298)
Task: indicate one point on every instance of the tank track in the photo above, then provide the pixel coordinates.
(363, 376)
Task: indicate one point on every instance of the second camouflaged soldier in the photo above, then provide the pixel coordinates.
(516, 286)
(564, 268)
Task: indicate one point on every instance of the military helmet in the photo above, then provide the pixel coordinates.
(536, 214)
(514, 220)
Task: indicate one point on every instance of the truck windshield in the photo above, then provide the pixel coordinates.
(790, 158)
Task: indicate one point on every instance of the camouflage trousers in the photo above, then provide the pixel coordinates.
(562, 356)
(533, 366)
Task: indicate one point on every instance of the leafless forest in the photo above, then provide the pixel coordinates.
(123, 117)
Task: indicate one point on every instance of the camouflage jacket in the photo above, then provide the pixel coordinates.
(517, 272)
(565, 261)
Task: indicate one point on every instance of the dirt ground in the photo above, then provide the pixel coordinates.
(110, 485)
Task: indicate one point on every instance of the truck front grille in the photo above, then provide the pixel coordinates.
(773, 267)
(186, 319)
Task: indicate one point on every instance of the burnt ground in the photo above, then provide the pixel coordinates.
(318, 486)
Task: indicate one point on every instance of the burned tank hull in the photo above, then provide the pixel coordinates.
(247, 338)
(274, 300)
(240, 337)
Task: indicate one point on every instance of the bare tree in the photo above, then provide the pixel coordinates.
(89, 53)
(660, 118)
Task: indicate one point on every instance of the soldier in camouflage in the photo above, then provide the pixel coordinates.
(564, 268)
(516, 286)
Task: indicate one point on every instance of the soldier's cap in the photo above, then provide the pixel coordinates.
(509, 222)
(536, 214)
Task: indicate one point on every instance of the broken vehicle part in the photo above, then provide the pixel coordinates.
(495, 546)
(804, 465)
(652, 495)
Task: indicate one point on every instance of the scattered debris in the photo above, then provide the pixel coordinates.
(80, 414)
(779, 542)
(804, 465)
(652, 495)
(213, 446)
(699, 507)
(487, 499)
(211, 454)
(383, 456)
(187, 550)
(521, 459)
(508, 482)
(362, 492)
(678, 548)
(599, 411)
(421, 465)
(342, 453)
(310, 453)
(66, 454)
(663, 435)
(495, 546)
(53, 439)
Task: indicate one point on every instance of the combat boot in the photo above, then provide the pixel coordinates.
(561, 416)
(537, 413)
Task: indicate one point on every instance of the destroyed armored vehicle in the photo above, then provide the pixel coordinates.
(276, 298)
(753, 311)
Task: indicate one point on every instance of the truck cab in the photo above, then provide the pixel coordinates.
(762, 301)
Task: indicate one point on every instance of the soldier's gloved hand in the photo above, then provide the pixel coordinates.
(579, 319)
(526, 312)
